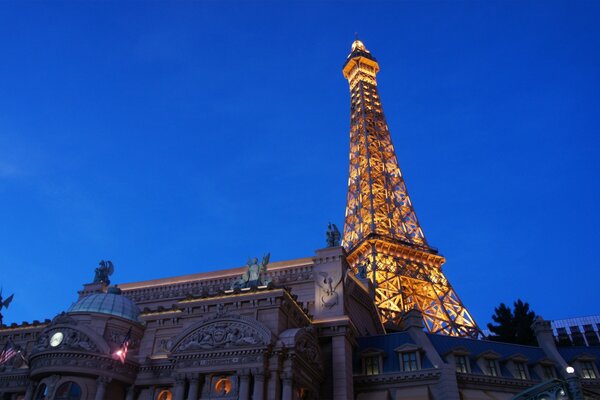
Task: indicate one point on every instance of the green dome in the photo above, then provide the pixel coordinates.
(110, 303)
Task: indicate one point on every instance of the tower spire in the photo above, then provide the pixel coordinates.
(378, 201)
(381, 229)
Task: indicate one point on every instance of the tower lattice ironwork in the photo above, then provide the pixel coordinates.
(381, 231)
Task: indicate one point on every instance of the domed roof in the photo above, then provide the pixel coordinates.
(111, 303)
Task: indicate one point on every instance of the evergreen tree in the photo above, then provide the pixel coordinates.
(513, 326)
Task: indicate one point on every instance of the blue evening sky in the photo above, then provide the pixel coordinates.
(181, 137)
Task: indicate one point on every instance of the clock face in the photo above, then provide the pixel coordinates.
(56, 339)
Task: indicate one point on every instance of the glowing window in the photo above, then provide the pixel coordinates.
(68, 391)
(461, 364)
(409, 361)
(521, 370)
(223, 385)
(587, 370)
(164, 395)
(371, 365)
(492, 368)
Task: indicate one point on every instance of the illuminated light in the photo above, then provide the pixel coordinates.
(570, 370)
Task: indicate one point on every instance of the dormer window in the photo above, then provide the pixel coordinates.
(521, 370)
(409, 361)
(459, 356)
(549, 372)
(461, 363)
(372, 361)
(488, 363)
(372, 365)
(409, 357)
(587, 370)
(491, 367)
(585, 364)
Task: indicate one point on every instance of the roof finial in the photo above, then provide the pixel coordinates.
(355, 35)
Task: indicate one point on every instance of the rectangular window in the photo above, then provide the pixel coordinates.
(371, 365)
(587, 370)
(461, 364)
(491, 367)
(409, 361)
(549, 372)
(521, 370)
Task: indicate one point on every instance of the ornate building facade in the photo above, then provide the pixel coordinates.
(372, 317)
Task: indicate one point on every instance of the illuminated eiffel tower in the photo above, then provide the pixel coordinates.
(381, 230)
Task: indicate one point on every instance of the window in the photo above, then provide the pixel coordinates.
(409, 361)
(549, 372)
(461, 364)
(371, 365)
(492, 368)
(521, 370)
(164, 395)
(68, 391)
(587, 370)
(42, 392)
(222, 385)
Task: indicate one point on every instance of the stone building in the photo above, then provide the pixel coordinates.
(372, 317)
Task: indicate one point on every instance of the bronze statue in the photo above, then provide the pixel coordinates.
(255, 276)
(104, 270)
(333, 236)
(4, 303)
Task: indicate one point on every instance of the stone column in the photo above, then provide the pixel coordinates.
(101, 383)
(194, 385)
(179, 387)
(287, 393)
(259, 385)
(30, 390)
(343, 385)
(273, 386)
(244, 389)
(130, 393)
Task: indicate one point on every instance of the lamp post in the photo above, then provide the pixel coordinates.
(573, 384)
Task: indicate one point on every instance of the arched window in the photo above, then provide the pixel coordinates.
(68, 391)
(42, 392)
(164, 395)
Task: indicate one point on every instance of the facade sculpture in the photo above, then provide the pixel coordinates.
(255, 276)
(373, 319)
(104, 270)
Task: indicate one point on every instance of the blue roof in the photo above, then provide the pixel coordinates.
(107, 303)
(443, 344)
(387, 344)
(569, 353)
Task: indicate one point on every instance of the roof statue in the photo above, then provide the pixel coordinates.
(104, 270)
(255, 276)
(333, 235)
(4, 303)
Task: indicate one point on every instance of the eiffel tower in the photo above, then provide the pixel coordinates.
(381, 231)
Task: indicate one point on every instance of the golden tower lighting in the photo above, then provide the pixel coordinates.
(381, 231)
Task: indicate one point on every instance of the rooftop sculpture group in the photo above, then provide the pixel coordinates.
(4, 303)
(104, 270)
(255, 276)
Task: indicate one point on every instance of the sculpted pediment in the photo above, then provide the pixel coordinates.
(230, 331)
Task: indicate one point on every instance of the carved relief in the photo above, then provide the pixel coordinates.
(225, 332)
(329, 284)
(72, 340)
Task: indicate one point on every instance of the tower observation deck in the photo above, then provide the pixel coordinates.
(381, 231)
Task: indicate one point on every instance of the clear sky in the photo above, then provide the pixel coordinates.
(181, 137)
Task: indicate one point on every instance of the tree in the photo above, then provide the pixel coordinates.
(513, 326)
